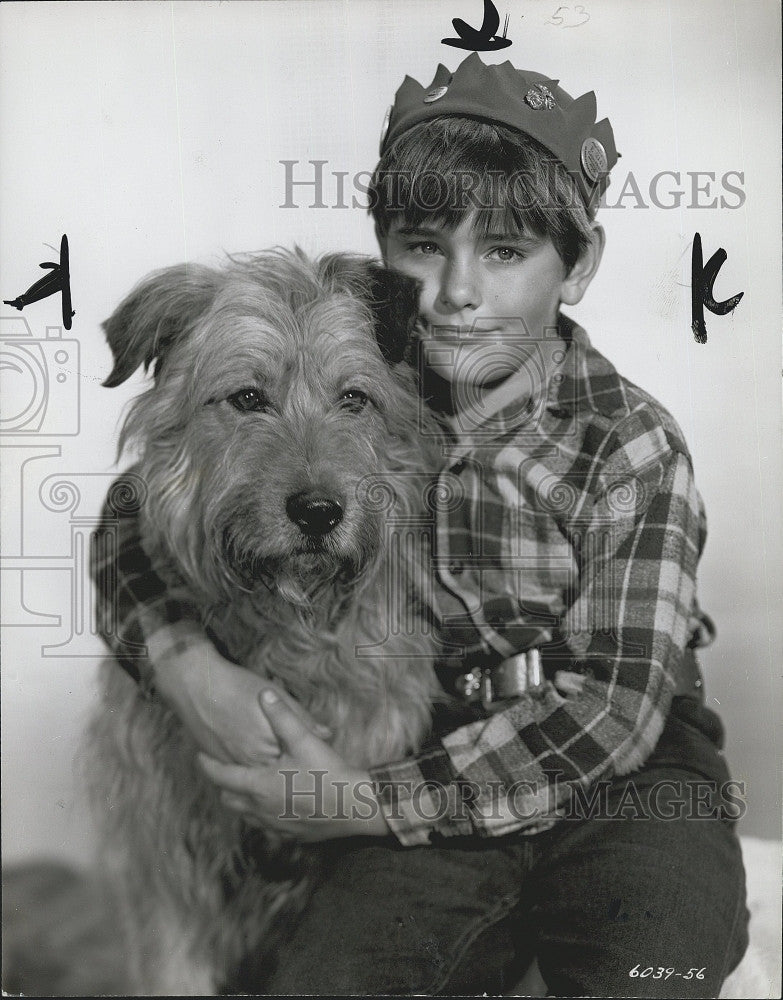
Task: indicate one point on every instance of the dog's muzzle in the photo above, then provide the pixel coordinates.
(314, 513)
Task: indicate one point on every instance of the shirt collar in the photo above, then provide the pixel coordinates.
(585, 380)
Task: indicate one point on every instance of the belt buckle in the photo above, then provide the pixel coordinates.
(509, 679)
(513, 677)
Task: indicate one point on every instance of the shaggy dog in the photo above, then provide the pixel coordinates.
(286, 481)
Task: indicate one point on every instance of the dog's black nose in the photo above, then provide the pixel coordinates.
(314, 513)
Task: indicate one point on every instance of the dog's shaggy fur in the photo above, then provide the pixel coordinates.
(285, 468)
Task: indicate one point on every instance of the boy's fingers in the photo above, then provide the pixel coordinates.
(233, 777)
(287, 725)
(321, 731)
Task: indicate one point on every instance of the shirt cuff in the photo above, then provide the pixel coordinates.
(516, 804)
(422, 800)
(156, 631)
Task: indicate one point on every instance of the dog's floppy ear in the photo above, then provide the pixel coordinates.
(394, 298)
(159, 311)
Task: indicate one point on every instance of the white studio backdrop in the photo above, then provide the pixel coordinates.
(153, 133)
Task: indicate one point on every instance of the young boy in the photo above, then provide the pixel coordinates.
(577, 809)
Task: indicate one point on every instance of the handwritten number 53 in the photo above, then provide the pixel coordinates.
(570, 16)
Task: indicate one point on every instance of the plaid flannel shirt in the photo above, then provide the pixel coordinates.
(574, 525)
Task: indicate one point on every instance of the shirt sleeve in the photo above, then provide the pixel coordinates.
(132, 601)
(638, 541)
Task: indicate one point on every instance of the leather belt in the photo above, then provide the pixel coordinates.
(524, 672)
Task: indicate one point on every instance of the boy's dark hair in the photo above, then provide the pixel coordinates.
(443, 169)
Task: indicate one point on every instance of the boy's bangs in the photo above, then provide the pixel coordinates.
(498, 204)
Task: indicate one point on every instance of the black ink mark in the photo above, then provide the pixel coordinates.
(481, 39)
(702, 282)
(57, 280)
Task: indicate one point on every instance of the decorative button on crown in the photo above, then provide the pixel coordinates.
(540, 97)
(593, 156)
(435, 94)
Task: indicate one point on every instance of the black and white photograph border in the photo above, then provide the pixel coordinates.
(158, 133)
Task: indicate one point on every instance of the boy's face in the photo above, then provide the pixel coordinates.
(480, 296)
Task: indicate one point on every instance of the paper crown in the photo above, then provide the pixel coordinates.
(523, 100)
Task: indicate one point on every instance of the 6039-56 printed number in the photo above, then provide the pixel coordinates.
(637, 972)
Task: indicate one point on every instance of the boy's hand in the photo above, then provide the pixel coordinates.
(335, 801)
(216, 700)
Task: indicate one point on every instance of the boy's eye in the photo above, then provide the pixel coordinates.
(249, 400)
(354, 400)
(507, 254)
(426, 247)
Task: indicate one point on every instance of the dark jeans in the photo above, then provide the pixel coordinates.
(612, 905)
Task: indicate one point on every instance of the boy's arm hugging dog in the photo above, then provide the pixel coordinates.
(553, 778)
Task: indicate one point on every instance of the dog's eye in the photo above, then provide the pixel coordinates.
(248, 400)
(354, 400)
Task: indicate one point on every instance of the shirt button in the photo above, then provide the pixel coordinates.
(456, 567)
(459, 465)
